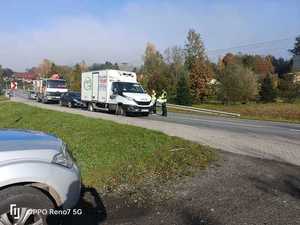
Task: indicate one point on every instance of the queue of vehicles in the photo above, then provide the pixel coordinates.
(107, 90)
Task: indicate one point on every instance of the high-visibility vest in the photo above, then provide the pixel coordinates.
(163, 97)
(153, 96)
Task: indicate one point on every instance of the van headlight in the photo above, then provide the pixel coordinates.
(129, 98)
(63, 158)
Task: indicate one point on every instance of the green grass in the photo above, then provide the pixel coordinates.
(285, 112)
(110, 154)
(3, 98)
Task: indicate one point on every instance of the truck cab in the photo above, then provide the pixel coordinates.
(50, 90)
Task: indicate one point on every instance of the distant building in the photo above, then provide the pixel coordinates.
(296, 63)
(296, 67)
(25, 76)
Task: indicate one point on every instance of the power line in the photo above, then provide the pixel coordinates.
(257, 44)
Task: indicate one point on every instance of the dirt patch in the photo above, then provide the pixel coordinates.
(236, 190)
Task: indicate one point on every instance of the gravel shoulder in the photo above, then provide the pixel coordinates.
(236, 190)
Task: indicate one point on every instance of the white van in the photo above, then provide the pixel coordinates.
(116, 91)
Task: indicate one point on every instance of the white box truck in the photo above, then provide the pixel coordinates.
(49, 90)
(115, 91)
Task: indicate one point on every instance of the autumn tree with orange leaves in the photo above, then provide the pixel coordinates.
(197, 64)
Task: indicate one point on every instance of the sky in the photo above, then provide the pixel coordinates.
(69, 31)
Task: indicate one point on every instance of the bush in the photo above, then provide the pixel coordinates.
(236, 84)
(183, 95)
(268, 91)
(288, 89)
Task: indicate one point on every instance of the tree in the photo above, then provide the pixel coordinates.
(229, 59)
(198, 66)
(174, 58)
(152, 59)
(296, 49)
(1, 80)
(45, 68)
(83, 66)
(75, 78)
(7, 72)
(281, 66)
(102, 66)
(268, 91)
(288, 88)
(183, 95)
(154, 70)
(263, 66)
(236, 84)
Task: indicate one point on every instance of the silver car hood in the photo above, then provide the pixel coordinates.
(21, 140)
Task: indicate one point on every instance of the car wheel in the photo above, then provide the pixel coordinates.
(121, 110)
(22, 199)
(91, 107)
(70, 105)
(44, 100)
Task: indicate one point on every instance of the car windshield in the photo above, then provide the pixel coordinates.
(56, 84)
(75, 95)
(129, 87)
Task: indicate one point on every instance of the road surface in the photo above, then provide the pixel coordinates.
(269, 140)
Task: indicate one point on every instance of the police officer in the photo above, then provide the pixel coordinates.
(153, 99)
(163, 101)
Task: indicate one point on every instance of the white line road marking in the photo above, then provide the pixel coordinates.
(224, 122)
(294, 130)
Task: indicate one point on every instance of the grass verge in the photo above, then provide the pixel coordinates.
(111, 155)
(282, 112)
(3, 98)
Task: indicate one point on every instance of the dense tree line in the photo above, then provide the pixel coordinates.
(189, 77)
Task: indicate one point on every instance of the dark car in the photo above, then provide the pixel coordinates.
(71, 99)
(31, 94)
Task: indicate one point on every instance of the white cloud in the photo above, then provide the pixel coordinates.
(122, 35)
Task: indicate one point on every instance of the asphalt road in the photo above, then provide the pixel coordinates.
(269, 140)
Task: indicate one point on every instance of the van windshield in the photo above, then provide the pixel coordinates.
(128, 87)
(56, 84)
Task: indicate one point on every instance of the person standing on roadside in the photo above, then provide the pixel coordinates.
(163, 101)
(153, 100)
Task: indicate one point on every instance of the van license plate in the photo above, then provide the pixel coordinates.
(145, 110)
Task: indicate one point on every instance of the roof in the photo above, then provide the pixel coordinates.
(25, 75)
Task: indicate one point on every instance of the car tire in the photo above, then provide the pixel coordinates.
(120, 110)
(44, 101)
(91, 107)
(23, 198)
